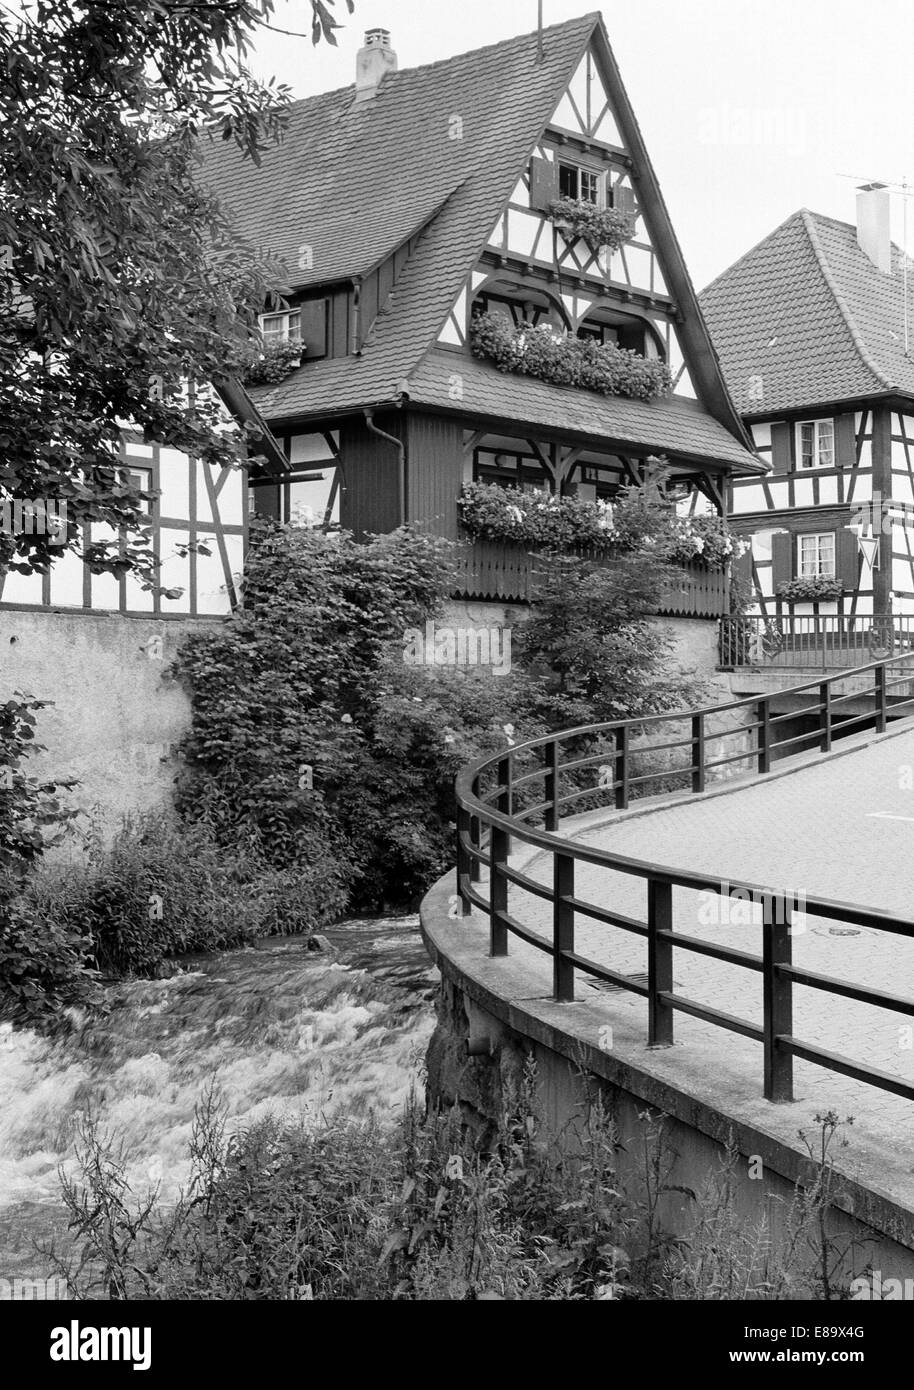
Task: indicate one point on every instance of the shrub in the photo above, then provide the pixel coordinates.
(565, 361)
(160, 890)
(309, 729)
(355, 1211)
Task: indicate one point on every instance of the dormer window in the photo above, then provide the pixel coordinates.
(584, 185)
(281, 328)
(816, 444)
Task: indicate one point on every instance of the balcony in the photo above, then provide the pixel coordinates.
(501, 571)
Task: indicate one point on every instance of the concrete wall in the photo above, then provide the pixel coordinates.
(116, 715)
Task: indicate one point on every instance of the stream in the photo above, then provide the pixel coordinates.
(281, 1030)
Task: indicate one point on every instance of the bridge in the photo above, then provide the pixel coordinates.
(712, 913)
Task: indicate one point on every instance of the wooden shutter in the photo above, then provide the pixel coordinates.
(782, 546)
(314, 327)
(845, 442)
(847, 559)
(624, 201)
(780, 447)
(544, 183)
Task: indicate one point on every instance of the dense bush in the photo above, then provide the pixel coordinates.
(544, 353)
(311, 732)
(160, 890)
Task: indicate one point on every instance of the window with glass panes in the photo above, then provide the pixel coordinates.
(281, 328)
(816, 555)
(816, 444)
(586, 185)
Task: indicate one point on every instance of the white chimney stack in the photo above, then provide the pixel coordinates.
(874, 234)
(372, 61)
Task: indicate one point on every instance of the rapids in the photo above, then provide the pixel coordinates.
(280, 1029)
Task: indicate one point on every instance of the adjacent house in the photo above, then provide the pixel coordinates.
(430, 220)
(813, 328)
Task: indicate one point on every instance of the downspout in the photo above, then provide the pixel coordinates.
(401, 473)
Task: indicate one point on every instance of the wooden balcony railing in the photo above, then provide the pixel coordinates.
(499, 570)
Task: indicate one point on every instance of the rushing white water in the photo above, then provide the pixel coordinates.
(280, 1029)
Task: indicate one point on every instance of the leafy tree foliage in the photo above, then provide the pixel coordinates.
(120, 277)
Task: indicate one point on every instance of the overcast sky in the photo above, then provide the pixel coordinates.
(750, 108)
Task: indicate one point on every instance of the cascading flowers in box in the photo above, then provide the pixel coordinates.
(599, 227)
(491, 512)
(549, 355)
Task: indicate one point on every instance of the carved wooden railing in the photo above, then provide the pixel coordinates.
(501, 570)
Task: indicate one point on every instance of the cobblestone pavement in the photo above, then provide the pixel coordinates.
(842, 828)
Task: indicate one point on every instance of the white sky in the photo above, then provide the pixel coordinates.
(750, 108)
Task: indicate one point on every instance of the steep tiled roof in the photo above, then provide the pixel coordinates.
(808, 312)
(669, 425)
(355, 181)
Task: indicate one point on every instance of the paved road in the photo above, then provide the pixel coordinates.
(841, 828)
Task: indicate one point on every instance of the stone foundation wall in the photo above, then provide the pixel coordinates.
(116, 716)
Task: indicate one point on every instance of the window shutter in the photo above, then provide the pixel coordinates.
(782, 546)
(314, 327)
(624, 201)
(845, 442)
(780, 447)
(847, 559)
(544, 183)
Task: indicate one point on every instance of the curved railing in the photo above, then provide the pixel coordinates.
(497, 800)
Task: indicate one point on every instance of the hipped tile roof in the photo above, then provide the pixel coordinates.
(808, 313)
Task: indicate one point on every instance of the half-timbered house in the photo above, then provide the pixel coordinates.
(813, 329)
(406, 205)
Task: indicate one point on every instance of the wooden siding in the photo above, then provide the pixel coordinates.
(435, 472)
(491, 570)
(371, 467)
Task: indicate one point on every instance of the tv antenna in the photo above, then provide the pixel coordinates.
(905, 189)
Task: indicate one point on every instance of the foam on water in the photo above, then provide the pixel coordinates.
(281, 1030)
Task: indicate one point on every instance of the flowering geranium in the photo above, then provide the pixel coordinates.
(548, 355)
(632, 523)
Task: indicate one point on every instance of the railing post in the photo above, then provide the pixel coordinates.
(498, 858)
(881, 701)
(622, 767)
(552, 784)
(463, 859)
(698, 752)
(475, 840)
(562, 928)
(764, 736)
(825, 716)
(777, 999)
(659, 963)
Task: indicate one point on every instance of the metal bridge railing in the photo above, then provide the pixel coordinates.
(829, 642)
(499, 799)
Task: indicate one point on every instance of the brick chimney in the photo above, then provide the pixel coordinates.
(372, 61)
(874, 236)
